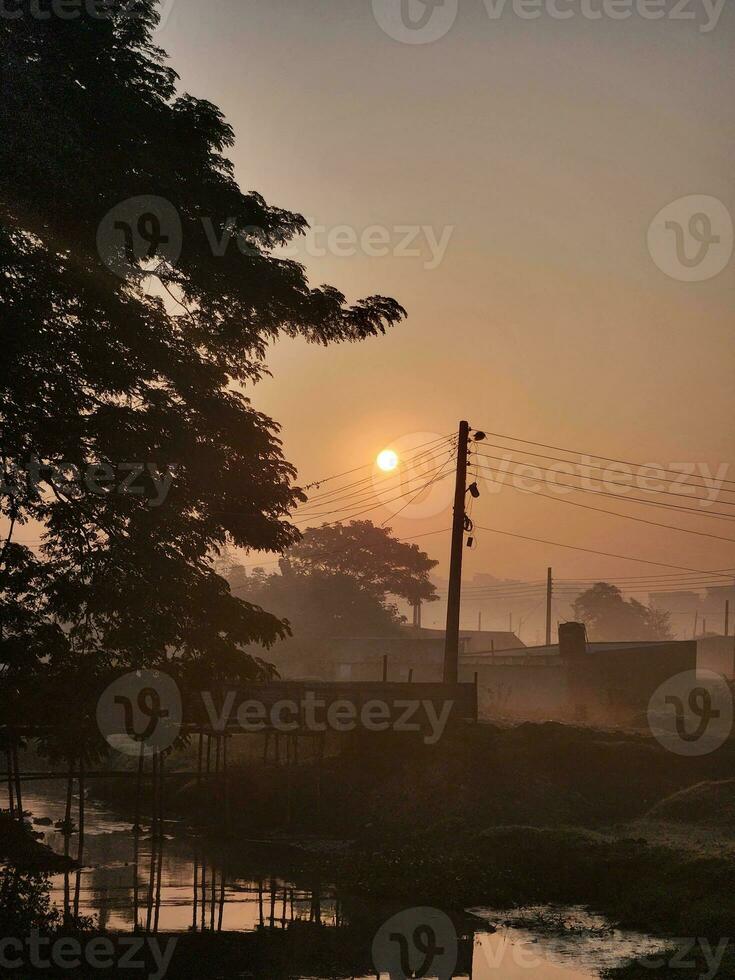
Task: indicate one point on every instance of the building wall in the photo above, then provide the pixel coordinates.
(610, 686)
(717, 653)
(522, 692)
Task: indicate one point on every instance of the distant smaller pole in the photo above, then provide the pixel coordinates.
(704, 626)
(410, 675)
(727, 617)
(200, 756)
(479, 621)
(549, 590)
(696, 622)
(385, 667)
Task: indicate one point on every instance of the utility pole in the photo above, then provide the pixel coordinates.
(727, 617)
(549, 587)
(451, 639)
(479, 621)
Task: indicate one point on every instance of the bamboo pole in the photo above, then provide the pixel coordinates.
(159, 871)
(226, 779)
(200, 756)
(196, 896)
(11, 793)
(67, 833)
(18, 793)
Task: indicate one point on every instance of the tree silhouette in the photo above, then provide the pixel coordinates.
(104, 368)
(608, 616)
(370, 555)
(320, 606)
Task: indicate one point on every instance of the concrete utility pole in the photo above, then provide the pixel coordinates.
(451, 639)
(549, 588)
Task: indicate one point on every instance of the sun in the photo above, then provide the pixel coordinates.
(387, 460)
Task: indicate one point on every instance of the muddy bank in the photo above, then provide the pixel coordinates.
(535, 774)
(20, 848)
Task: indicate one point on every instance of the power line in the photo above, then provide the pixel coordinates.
(683, 477)
(363, 495)
(604, 554)
(679, 508)
(383, 503)
(612, 513)
(520, 588)
(577, 452)
(415, 453)
(431, 482)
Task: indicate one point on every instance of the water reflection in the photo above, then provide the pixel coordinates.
(164, 879)
(171, 883)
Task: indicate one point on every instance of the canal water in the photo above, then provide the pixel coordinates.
(187, 885)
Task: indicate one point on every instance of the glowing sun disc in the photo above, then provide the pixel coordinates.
(387, 460)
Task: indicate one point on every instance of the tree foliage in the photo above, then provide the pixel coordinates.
(608, 616)
(370, 555)
(98, 371)
(320, 606)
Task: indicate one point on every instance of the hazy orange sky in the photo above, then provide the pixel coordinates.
(538, 152)
(547, 146)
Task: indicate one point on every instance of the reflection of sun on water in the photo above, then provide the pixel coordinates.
(387, 460)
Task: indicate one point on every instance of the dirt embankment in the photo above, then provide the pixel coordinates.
(20, 848)
(507, 816)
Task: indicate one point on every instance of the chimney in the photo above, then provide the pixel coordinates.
(572, 641)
